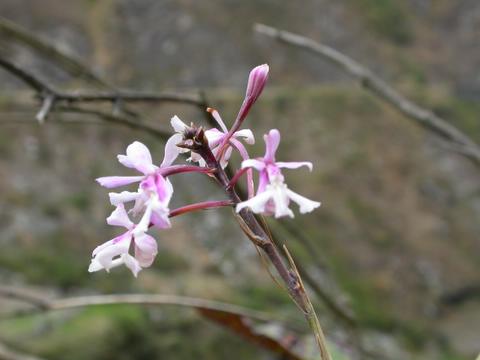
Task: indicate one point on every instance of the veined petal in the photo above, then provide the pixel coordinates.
(107, 254)
(172, 150)
(116, 181)
(272, 140)
(178, 125)
(144, 222)
(254, 163)
(306, 205)
(218, 119)
(281, 200)
(119, 217)
(214, 137)
(247, 135)
(145, 249)
(256, 203)
(225, 157)
(131, 263)
(123, 197)
(138, 157)
(94, 266)
(294, 164)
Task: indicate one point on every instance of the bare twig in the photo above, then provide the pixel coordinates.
(51, 96)
(123, 120)
(424, 117)
(74, 66)
(230, 316)
(8, 354)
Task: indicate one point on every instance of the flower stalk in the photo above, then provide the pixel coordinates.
(261, 238)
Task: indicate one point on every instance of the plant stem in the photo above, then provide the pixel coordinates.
(257, 234)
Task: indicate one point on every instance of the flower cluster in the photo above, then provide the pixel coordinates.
(152, 198)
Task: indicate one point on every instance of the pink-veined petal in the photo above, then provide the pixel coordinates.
(246, 134)
(178, 125)
(256, 204)
(116, 181)
(294, 164)
(138, 157)
(145, 249)
(218, 119)
(254, 163)
(172, 150)
(272, 140)
(306, 205)
(281, 200)
(123, 197)
(119, 217)
(243, 152)
(131, 263)
(214, 137)
(107, 254)
(226, 156)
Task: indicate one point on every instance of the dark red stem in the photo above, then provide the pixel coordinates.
(178, 169)
(199, 206)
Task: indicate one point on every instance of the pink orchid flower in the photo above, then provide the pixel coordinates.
(273, 196)
(115, 252)
(154, 192)
(214, 136)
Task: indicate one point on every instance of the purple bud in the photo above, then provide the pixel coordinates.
(256, 81)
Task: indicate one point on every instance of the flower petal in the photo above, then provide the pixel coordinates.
(247, 135)
(214, 137)
(272, 140)
(281, 200)
(172, 150)
(254, 163)
(104, 254)
(256, 204)
(116, 181)
(145, 249)
(294, 164)
(138, 157)
(306, 205)
(218, 119)
(119, 217)
(178, 125)
(123, 197)
(131, 263)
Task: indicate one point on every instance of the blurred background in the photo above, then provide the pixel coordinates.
(391, 257)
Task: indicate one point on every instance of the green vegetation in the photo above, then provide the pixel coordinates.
(388, 18)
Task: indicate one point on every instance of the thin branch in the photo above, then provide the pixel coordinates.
(47, 105)
(9, 354)
(424, 117)
(130, 96)
(51, 96)
(233, 317)
(73, 65)
(27, 77)
(43, 304)
(123, 120)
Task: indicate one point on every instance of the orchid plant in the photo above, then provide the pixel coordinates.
(209, 152)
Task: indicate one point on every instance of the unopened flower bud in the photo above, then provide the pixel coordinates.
(256, 81)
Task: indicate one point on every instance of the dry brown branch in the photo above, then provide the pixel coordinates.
(8, 354)
(74, 66)
(460, 142)
(230, 316)
(54, 99)
(123, 120)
